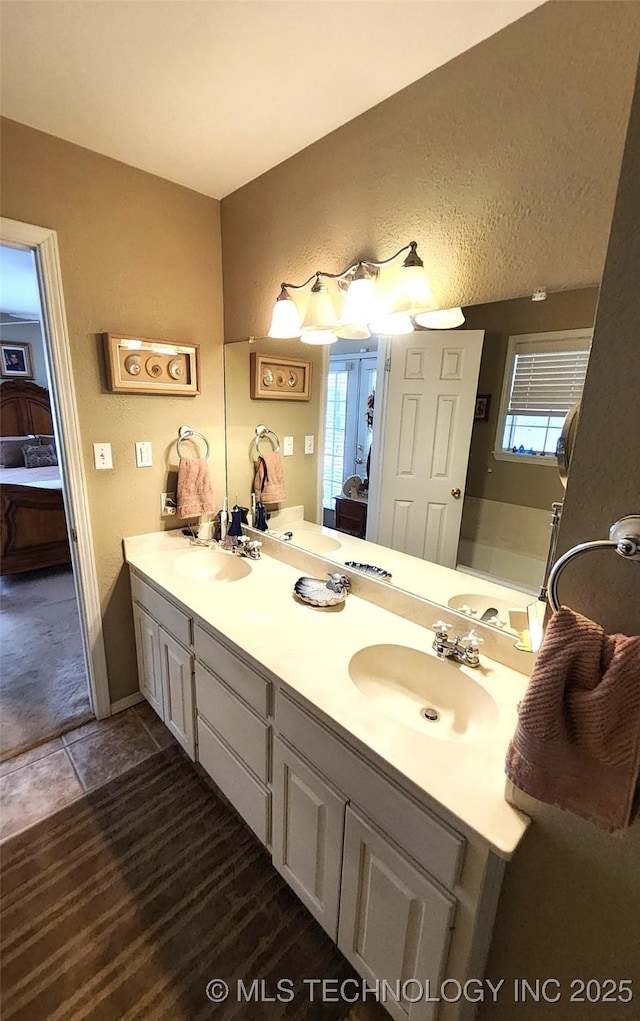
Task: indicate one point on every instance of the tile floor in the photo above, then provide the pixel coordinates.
(43, 780)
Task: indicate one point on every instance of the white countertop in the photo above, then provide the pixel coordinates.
(309, 650)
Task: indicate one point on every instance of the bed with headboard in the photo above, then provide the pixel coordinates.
(33, 527)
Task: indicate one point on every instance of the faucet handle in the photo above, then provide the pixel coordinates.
(441, 628)
(472, 641)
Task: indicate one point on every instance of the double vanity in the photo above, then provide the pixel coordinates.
(371, 769)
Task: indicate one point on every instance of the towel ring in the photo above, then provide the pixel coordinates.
(624, 538)
(185, 433)
(264, 433)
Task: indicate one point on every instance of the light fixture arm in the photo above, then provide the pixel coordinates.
(413, 259)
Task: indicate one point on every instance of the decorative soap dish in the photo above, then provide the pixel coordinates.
(317, 592)
(377, 572)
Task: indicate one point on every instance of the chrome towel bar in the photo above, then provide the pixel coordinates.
(185, 433)
(624, 538)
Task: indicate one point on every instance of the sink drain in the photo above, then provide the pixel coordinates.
(430, 714)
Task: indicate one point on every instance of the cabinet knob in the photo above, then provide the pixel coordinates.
(456, 493)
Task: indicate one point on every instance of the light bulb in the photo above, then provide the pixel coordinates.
(360, 307)
(285, 321)
(441, 319)
(321, 314)
(414, 289)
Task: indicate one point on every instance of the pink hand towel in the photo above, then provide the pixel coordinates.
(577, 742)
(194, 493)
(268, 481)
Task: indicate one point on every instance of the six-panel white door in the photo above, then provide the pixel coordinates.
(394, 921)
(308, 827)
(422, 430)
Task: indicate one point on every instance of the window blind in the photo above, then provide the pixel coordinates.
(547, 382)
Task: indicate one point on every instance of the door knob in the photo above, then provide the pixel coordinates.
(456, 493)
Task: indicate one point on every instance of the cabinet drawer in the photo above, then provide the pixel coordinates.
(429, 841)
(239, 726)
(248, 797)
(238, 675)
(172, 619)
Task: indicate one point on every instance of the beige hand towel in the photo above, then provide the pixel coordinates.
(194, 493)
(268, 481)
(577, 742)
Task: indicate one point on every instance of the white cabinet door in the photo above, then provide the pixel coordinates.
(394, 922)
(176, 666)
(148, 655)
(308, 826)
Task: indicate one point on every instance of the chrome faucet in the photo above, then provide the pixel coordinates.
(464, 650)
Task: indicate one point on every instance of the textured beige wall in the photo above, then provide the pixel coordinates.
(502, 165)
(139, 255)
(291, 418)
(530, 485)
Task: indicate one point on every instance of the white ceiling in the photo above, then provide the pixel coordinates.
(212, 93)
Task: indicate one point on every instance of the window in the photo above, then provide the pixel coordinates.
(544, 377)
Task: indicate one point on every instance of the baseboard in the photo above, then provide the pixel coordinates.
(126, 702)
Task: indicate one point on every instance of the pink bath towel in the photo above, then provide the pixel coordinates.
(194, 493)
(268, 481)
(577, 742)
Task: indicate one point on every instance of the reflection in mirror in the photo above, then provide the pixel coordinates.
(453, 463)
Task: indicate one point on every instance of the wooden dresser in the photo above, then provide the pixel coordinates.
(351, 516)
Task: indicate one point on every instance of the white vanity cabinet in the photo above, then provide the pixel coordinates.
(404, 889)
(413, 897)
(165, 665)
(234, 738)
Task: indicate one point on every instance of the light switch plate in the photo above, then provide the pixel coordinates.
(102, 456)
(308, 444)
(287, 448)
(144, 456)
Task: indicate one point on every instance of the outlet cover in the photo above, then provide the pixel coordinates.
(168, 506)
(287, 448)
(102, 458)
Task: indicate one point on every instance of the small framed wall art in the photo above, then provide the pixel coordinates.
(15, 360)
(138, 365)
(481, 413)
(280, 379)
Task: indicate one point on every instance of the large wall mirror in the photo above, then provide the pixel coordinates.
(457, 472)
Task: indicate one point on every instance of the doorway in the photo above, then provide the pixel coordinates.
(351, 381)
(53, 665)
(43, 682)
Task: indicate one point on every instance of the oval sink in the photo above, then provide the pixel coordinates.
(210, 565)
(405, 684)
(315, 542)
(474, 605)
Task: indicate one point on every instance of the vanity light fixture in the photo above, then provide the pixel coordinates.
(363, 311)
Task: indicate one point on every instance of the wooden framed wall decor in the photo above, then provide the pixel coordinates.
(138, 365)
(280, 379)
